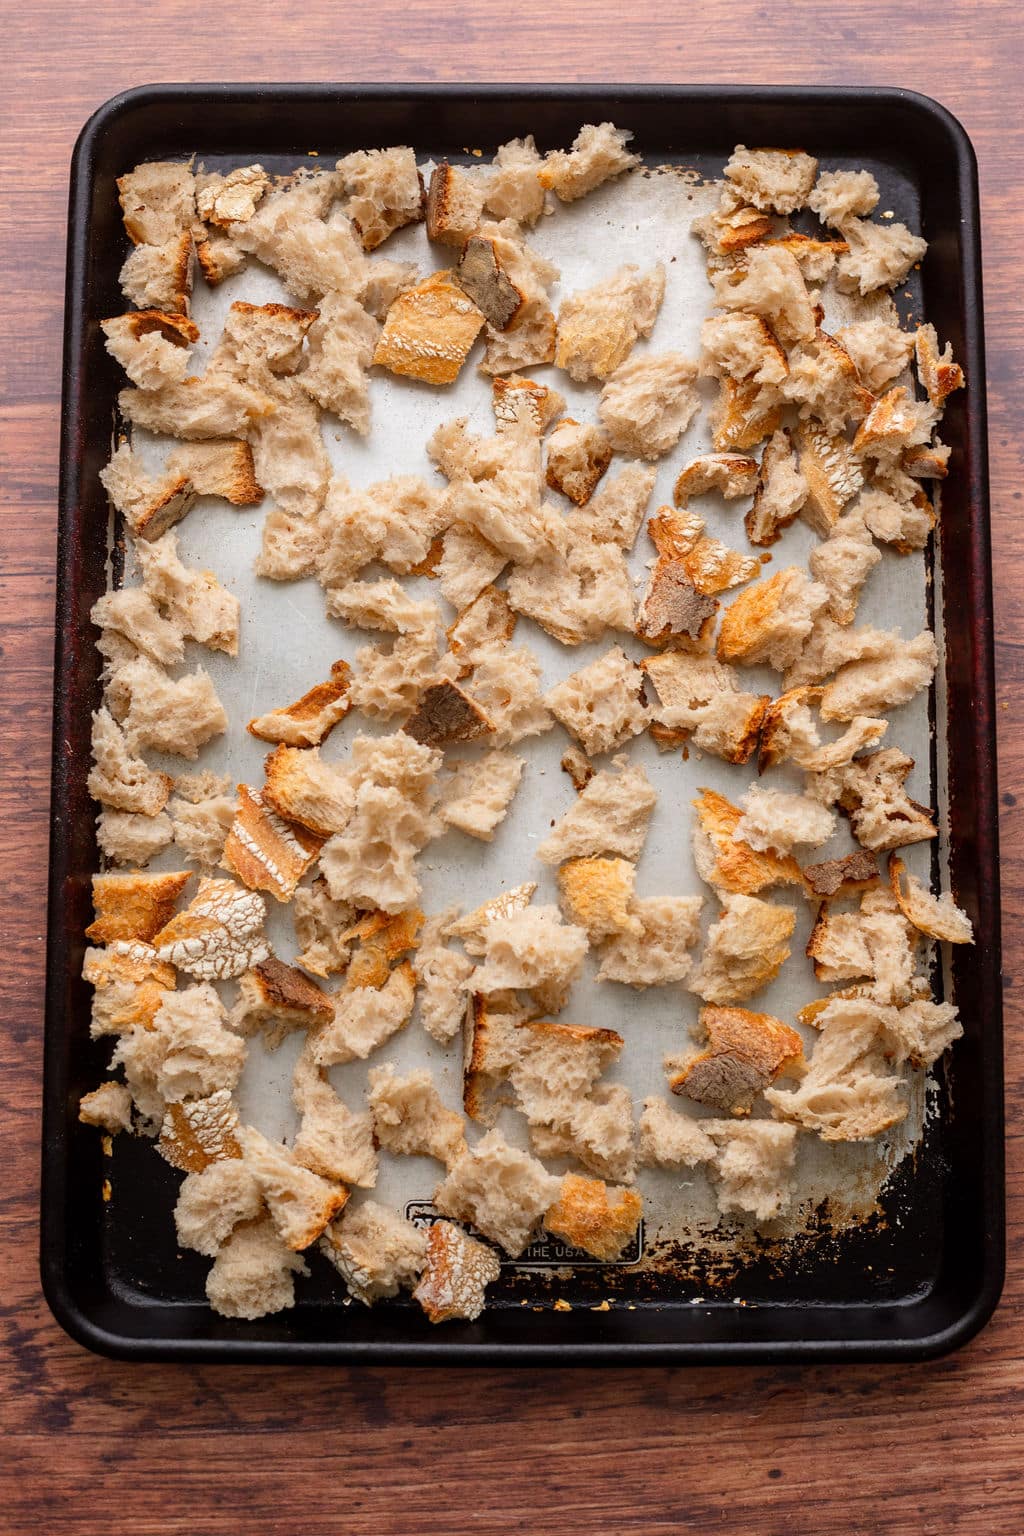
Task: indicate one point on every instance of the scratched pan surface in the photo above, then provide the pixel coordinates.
(924, 1271)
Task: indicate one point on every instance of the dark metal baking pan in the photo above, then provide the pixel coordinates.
(919, 1280)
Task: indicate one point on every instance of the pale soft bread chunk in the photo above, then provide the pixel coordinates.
(593, 1216)
(743, 1053)
(300, 1203)
(231, 198)
(742, 347)
(212, 406)
(817, 258)
(789, 732)
(610, 816)
(310, 719)
(148, 506)
(506, 683)
(293, 231)
(598, 326)
(193, 600)
(512, 187)
(770, 284)
(365, 1018)
(442, 974)
(849, 1093)
(394, 521)
(841, 195)
(753, 1166)
(288, 451)
(880, 255)
(152, 347)
(213, 1202)
(876, 685)
(218, 935)
(274, 1000)
(177, 716)
(302, 788)
(455, 203)
(745, 949)
(382, 605)
(770, 621)
(193, 1052)
(504, 1192)
(577, 596)
(577, 456)
(383, 191)
(322, 929)
(332, 1140)
(535, 950)
(938, 916)
(160, 276)
(599, 1133)
(905, 525)
(824, 385)
(108, 1107)
(476, 797)
(658, 951)
(775, 821)
(132, 613)
(508, 512)
(670, 1138)
(158, 200)
(470, 929)
(375, 1251)
(126, 837)
(253, 1275)
(598, 153)
(468, 565)
(487, 621)
(218, 257)
(390, 679)
(879, 349)
(220, 467)
(772, 180)
(553, 1067)
(429, 330)
(870, 791)
(456, 1275)
(843, 563)
(290, 547)
(339, 350)
(603, 704)
(614, 513)
(410, 1118)
(648, 403)
(724, 860)
(597, 894)
(922, 1031)
(700, 696)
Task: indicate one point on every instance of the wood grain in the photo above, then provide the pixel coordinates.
(89, 1445)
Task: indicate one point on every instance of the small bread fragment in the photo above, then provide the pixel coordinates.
(442, 974)
(193, 600)
(780, 493)
(905, 525)
(219, 467)
(300, 1203)
(534, 950)
(610, 816)
(218, 935)
(477, 796)
(769, 283)
(502, 1191)
(824, 383)
(745, 1053)
(937, 371)
(577, 457)
(265, 851)
(109, 1107)
(882, 815)
(598, 1133)
(339, 350)
(877, 942)
(148, 506)
(231, 198)
(484, 277)
(125, 837)
(577, 596)
(171, 715)
(742, 347)
(591, 1216)
(879, 349)
(895, 423)
(410, 1118)
(832, 473)
(770, 621)
(383, 938)
(213, 405)
(468, 565)
(776, 822)
(597, 154)
(743, 416)
(554, 1067)
(132, 613)
(375, 1251)
(709, 564)
(306, 791)
(596, 894)
(390, 679)
(615, 512)
(725, 861)
(456, 1274)
(700, 697)
(518, 400)
(382, 605)
(213, 1201)
(394, 521)
(772, 180)
(383, 191)
(598, 326)
(160, 276)
(673, 610)
(310, 719)
(470, 929)
(189, 1052)
(745, 949)
(937, 916)
(841, 877)
(455, 204)
(670, 1139)
(848, 1093)
(506, 684)
(658, 950)
(198, 1132)
(333, 1140)
(446, 714)
(731, 474)
(429, 331)
(129, 985)
(253, 1274)
(876, 685)
(842, 563)
(492, 1045)
(648, 403)
(789, 732)
(842, 195)
(603, 704)
(322, 928)
(365, 1018)
(817, 258)
(133, 906)
(152, 347)
(879, 255)
(488, 620)
(158, 200)
(274, 1000)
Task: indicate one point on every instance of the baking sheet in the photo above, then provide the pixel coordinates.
(288, 643)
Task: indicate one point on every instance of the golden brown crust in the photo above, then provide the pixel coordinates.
(445, 714)
(743, 416)
(745, 1053)
(176, 328)
(584, 1216)
(833, 476)
(265, 851)
(198, 1132)
(732, 865)
(456, 1274)
(595, 893)
(429, 330)
(856, 872)
(383, 938)
(310, 719)
(134, 906)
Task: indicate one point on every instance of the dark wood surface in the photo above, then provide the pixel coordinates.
(88, 1445)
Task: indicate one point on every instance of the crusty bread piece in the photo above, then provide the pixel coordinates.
(148, 506)
(442, 974)
(486, 277)
(477, 796)
(905, 524)
(842, 195)
(674, 611)
(487, 621)
(177, 716)
(597, 154)
(729, 228)
(881, 683)
(339, 350)
(218, 256)
(879, 349)
(742, 347)
(578, 766)
(322, 928)
(193, 1052)
(201, 815)
(838, 946)
(880, 255)
(743, 416)
(527, 343)
(158, 200)
(700, 696)
(709, 565)
(253, 1274)
(303, 789)
(219, 467)
(817, 258)
(780, 492)
(410, 1118)
(160, 276)
(445, 715)
(126, 837)
(577, 596)
(383, 939)
(517, 401)
(457, 1272)
(878, 943)
(383, 191)
(597, 894)
(507, 511)
(218, 935)
(429, 330)
(590, 1215)
(648, 403)
(833, 475)
(310, 719)
(109, 1107)
(531, 949)
(152, 347)
(937, 916)
(300, 1203)
(294, 232)
(848, 1093)
(503, 1191)
(275, 999)
(375, 1251)
(854, 872)
(214, 405)
(232, 198)
(598, 326)
(731, 474)
(265, 851)
(213, 1202)
(744, 1053)
(193, 600)
(824, 384)
(512, 186)
(773, 180)
(610, 816)
(129, 984)
(391, 679)
(394, 521)
(745, 949)
(725, 861)
(198, 1132)
(895, 423)
(603, 704)
(614, 514)
(554, 1067)
(577, 457)
(470, 929)
(770, 284)
(789, 732)
(658, 951)
(770, 621)
(455, 204)
(365, 1018)
(842, 563)
(506, 683)
(133, 906)
(775, 821)
(491, 1044)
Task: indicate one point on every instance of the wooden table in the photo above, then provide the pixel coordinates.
(90, 1445)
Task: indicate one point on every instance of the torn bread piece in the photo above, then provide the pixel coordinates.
(937, 916)
(789, 733)
(323, 929)
(502, 1191)
(599, 1134)
(895, 423)
(429, 330)
(657, 952)
(590, 1215)
(878, 684)
(578, 766)
(598, 326)
(108, 1107)
(849, 1092)
(597, 894)
(152, 347)
(769, 283)
(842, 563)
(742, 347)
(468, 565)
(411, 1120)
(532, 950)
(194, 600)
(231, 198)
(218, 467)
(506, 683)
(129, 983)
(290, 547)
(300, 1203)
(673, 610)
(743, 416)
(339, 349)
(937, 371)
(597, 154)
(394, 521)
(878, 943)
(577, 457)
(730, 227)
(189, 1053)
(160, 276)
(745, 949)
(442, 974)
(491, 1045)
(289, 453)
(701, 698)
(817, 258)
(517, 401)
(253, 1274)
(310, 719)
(274, 1000)
(306, 791)
(133, 906)
(365, 1018)
(841, 195)
(445, 715)
(470, 929)
(745, 1053)
(905, 525)
(610, 816)
(602, 705)
(375, 1251)
(455, 204)
(614, 513)
(158, 200)
(772, 180)
(879, 349)
(132, 613)
(381, 605)
(731, 474)
(476, 797)
(832, 473)
(776, 822)
(148, 506)
(125, 837)
(212, 1202)
(780, 493)
(711, 565)
(383, 191)
(750, 1161)
(383, 938)
(725, 861)
(824, 384)
(770, 621)
(391, 679)
(854, 872)
(213, 406)
(218, 935)
(484, 276)
(488, 620)
(456, 1274)
(176, 716)
(198, 1132)
(648, 403)
(554, 1067)
(577, 596)
(880, 255)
